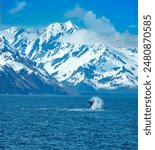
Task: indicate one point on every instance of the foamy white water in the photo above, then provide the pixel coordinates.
(96, 103)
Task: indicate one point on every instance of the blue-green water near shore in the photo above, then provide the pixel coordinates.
(65, 123)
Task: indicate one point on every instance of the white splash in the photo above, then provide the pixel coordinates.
(96, 103)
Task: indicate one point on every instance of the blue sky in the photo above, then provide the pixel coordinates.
(122, 14)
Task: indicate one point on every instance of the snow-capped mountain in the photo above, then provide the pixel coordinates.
(18, 74)
(81, 68)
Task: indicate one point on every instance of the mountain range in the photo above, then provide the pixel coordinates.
(39, 62)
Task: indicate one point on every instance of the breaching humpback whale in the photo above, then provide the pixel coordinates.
(95, 103)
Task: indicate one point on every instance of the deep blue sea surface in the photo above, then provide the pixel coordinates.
(66, 123)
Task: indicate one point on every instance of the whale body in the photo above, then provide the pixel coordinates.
(96, 103)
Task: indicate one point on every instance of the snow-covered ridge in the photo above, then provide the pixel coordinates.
(93, 66)
(19, 74)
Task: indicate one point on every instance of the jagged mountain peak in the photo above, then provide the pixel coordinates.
(60, 26)
(57, 30)
(15, 30)
(69, 24)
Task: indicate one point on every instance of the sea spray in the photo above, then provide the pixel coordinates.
(96, 103)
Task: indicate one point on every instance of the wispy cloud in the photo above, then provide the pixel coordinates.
(99, 30)
(18, 7)
(89, 18)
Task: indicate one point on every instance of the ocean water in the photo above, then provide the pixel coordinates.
(65, 123)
